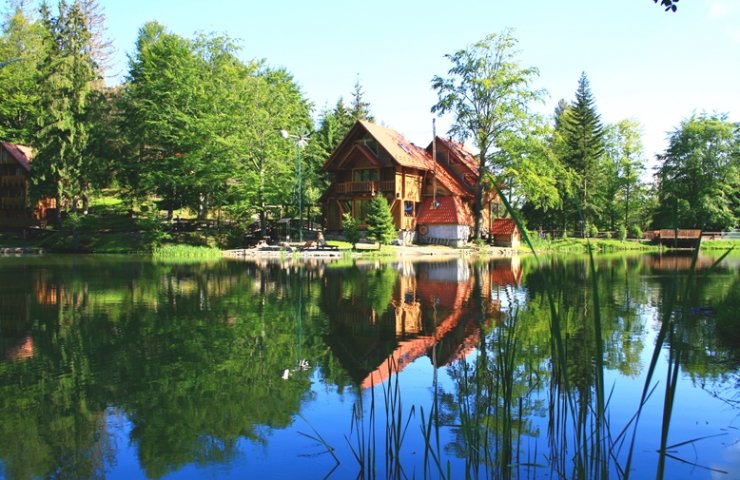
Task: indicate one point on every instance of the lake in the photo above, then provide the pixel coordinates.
(125, 367)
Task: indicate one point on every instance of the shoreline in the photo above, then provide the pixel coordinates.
(410, 251)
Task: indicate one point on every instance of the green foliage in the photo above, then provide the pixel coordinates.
(624, 195)
(380, 227)
(23, 40)
(360, 108)
(203, 129)
(622, 233)
(67, 73)
(699, 175)
(351, 229)
(583, 136)
(488, 95)
(636, 232)
(593, 231)
(188, 252)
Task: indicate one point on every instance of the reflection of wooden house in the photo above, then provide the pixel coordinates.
(505, 233)
(449, 332)
(430, 198)
(15, 176)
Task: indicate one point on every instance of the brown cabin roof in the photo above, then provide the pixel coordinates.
(403, 152)
(21, 153)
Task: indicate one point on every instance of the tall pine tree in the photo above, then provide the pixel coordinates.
(67, 76)
(583, 134)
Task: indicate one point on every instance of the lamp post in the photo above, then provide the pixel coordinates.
(300, 141)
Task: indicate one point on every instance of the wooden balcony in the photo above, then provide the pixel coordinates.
(368, 187)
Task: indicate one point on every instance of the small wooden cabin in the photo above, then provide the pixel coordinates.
(15, 178)
(505, 233)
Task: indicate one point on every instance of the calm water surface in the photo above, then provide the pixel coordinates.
(121, 367)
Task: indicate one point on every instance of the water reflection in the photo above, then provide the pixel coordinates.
(202, 360)
(393, 315)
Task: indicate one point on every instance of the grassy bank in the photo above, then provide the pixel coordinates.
(580, 245)
(186, 252)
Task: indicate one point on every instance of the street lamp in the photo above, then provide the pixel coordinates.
(300, 142)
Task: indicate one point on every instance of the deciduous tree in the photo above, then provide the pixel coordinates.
(699, 176)
(488, 95)
(22, 47)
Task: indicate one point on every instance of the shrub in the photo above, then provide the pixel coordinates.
(593, 231)
(622, 233)
(636, 231)
(351, 229)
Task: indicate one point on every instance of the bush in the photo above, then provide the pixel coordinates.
(351, 229)
(593, 231)
(636, 231)
(622, 233)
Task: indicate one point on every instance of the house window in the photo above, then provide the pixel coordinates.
(408, 208)
(365, 175)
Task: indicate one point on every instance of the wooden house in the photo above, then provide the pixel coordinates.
(15, 178)
(431, 200)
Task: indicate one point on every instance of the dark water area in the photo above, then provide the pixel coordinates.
(123, 367)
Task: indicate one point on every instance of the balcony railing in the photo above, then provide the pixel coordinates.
(369, 187)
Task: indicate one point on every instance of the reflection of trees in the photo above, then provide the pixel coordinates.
(193, 354)
(706, 329)
(549, 354)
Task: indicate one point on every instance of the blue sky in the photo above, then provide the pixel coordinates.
(643, 63)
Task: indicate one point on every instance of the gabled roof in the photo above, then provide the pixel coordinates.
(451, 183)
(449, 211)
(459, 151)
(21, 153)
(403, 152)
(503, 226)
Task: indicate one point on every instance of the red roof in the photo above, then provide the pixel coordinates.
(447, 180)
(449, 211)
(503, 226)
(21, 153)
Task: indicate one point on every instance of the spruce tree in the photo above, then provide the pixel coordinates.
(380, 227)
(67, 76)
(584, 137)
(360, 109)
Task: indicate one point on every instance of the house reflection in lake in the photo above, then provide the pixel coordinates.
(383, 318)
